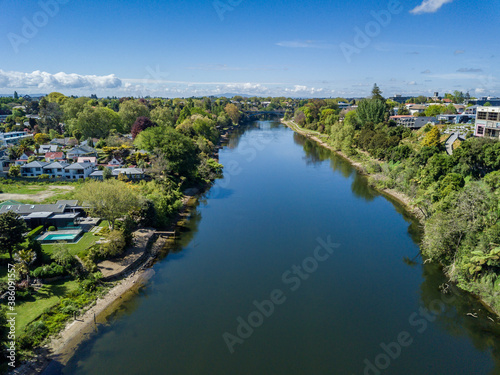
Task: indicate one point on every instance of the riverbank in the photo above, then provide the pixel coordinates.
(61, 348)
(396, 195)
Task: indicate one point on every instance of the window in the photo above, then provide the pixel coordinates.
(481, 115)
(480, 130)
(493, 116)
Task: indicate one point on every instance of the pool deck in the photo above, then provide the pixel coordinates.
(74, 232)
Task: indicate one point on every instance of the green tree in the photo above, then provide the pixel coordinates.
(178, 150)
(14, 170)
(371, 110)
(12, 228)
(434, 110)
(233, 113)
(377, 93)
(110, 199)
(129, 111)
(97, 122)
(432, 138)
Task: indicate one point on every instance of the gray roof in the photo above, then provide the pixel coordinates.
(79, 165)
(71, 203)
(26, 209)
(117, 171)
(39, 215)
(96, 173)
(35, 164)
(56, 164)
(82, 149)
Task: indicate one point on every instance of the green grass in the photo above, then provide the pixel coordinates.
(87, 240)
(47, 296)
(21, 189)
(84, 243)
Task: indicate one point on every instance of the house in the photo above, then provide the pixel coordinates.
(472, 110)
(488, 122)
(33, 169)
(78, 151)
(56, 169)
(416, 108)
(53, 156)
(87, 159)
(76, 171)
(13, 138)
(43, 149)
(60, 215)
(131, 173)
(413, 122)
(23, 159)
(5, 163)
(114, 163)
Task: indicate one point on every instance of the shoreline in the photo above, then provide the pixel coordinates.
(401, 198)
(60, 348)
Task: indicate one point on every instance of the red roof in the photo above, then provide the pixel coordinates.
(54, 155)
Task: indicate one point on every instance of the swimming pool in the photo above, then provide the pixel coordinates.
(63, 235)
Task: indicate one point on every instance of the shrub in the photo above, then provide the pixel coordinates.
(35, 232)
(52, 228)
(48, 271)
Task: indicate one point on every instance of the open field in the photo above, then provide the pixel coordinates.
(33, 193)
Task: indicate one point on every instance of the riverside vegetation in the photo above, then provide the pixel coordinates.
(457, 196)
(175, 141)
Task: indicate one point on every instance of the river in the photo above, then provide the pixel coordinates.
(292, 264)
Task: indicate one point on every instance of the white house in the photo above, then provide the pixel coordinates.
(33, 169)
(76, 171)
(56, 169)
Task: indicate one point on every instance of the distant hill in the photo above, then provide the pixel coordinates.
(20, 95)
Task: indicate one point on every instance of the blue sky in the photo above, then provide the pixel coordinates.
(277, 48)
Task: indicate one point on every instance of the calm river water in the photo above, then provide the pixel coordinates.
(292, 264)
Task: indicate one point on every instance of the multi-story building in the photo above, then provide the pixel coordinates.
(413, 122)
(12, 138)
(488, 122)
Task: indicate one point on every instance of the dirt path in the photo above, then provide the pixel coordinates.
(37, 197)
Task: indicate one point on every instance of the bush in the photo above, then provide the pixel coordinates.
(48, 271)
(35, 232)
(52, 228)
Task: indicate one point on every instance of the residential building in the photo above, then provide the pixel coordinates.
(87, 159)
(76, 171)
(23, 159)
(416, 108)
(56, 169)
(114, 163)
(60, 214)
(13, 138)
(78, 151)
(43, 149)
(33, 169)
(488, 122)
(131, 173)
(413, 122)
(53, 156)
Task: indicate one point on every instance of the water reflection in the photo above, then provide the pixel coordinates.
(461, 314)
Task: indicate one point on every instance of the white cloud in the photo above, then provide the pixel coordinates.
(459, 52)
(429, 6)
(48, 81)
(469, 70)
(427, 71)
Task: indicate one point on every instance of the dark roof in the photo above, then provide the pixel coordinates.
(26, 209)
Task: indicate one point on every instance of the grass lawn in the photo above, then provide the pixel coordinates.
(87, 240)
(22, 189)
(47, 296)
